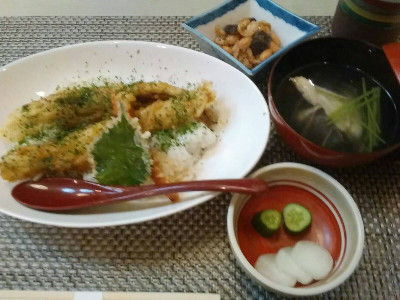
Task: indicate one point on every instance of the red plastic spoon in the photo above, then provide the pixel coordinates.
(58, 194)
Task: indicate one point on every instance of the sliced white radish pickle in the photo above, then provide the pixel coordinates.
(266, 265)
(285, 262)
(312, 258)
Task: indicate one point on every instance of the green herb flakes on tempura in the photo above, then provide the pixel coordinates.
(112, 134)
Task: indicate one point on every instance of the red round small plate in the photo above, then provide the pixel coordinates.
(392, 52)
(326, 230)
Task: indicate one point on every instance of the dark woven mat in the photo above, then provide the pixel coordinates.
(187, 252)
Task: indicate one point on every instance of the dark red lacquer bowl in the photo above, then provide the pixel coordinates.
(358, 54)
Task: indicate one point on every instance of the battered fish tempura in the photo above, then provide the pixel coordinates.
(54, 136)
(179, 109)
(57, 115)
(68, 157)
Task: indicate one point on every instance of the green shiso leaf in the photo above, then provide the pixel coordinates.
(119, 156)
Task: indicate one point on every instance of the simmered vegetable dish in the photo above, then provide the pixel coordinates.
(250, 41)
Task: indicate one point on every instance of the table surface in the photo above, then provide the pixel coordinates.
(189, 251)
(144, 7)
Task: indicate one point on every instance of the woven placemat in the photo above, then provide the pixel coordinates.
(189, 251)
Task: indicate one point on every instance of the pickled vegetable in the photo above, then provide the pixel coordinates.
(296, 218)
(267, 222)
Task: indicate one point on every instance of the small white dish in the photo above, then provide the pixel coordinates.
(290, 28)
(241, 141)
(337, 225)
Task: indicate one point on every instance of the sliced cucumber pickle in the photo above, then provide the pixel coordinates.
(267, 222)
(296, 218)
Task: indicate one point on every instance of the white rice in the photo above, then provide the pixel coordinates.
(179, 162)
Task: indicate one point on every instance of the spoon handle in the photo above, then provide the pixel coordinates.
(242, 186)
(58, 194)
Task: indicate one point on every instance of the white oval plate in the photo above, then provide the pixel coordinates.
(242, 140)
